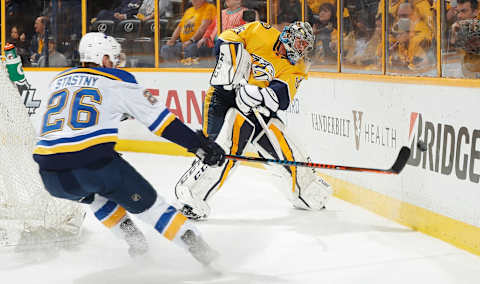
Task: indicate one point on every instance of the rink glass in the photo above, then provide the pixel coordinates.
(325, 22)
(135, 33)
(411, 38)
(362, 37)
(63, 29)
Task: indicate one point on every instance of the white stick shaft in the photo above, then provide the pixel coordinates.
(268, 133)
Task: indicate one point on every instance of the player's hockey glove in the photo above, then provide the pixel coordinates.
(251, 96)
(208, 151)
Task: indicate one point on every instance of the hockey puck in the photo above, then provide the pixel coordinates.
(422, 145)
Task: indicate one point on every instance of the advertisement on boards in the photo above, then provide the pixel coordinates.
(352, 123)
(452, 150)
(360, 123)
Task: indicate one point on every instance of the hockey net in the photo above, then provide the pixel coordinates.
(29, 216)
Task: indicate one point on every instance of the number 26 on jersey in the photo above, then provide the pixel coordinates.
(81, 114)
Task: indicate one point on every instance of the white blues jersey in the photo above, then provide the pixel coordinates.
(80, 124)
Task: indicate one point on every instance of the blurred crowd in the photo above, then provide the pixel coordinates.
(410, 35)
(47, 32)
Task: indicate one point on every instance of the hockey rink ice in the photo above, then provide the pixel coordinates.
(261, 238)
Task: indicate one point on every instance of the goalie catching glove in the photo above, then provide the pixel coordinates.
(208, 151)
(251, 96)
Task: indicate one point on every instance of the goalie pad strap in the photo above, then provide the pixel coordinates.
(201, 182)
(236, 132)
(302, 187)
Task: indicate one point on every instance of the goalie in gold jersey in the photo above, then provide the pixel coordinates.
(257, 74)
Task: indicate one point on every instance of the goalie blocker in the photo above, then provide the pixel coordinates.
(301, 186)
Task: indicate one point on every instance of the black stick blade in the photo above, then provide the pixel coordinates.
(401, 161)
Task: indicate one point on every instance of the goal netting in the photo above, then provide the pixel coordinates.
(29, 216)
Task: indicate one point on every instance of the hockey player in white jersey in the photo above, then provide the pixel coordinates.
(76, 153)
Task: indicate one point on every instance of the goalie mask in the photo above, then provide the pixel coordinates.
(93, 46)
(298, 40)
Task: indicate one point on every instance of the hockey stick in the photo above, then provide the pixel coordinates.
(256, 112)
(397, 167)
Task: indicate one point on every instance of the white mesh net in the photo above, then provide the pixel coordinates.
(29, 216)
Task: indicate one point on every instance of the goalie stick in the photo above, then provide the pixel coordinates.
(397, 167)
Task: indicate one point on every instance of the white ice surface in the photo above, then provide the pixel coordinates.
(261, 238)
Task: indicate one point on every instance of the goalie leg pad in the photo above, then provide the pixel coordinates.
(301, 186)
(233, 66)
(201, 182)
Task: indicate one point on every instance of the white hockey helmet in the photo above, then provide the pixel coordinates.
(119, 57)
(93, 46)
(298, 39)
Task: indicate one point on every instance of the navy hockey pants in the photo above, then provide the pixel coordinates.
(115, 179)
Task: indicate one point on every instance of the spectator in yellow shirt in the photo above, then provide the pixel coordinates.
(420, 33)
(316, 4)
(404, 53)
(191, 28)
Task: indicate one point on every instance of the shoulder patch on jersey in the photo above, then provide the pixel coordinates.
(149, 96)
(262, 69)
(239, 29)
(266, 26)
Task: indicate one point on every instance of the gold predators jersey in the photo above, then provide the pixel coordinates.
(261, 41)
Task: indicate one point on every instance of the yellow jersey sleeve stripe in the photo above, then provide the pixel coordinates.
(171, 117)
(175, 226)
(41, 150)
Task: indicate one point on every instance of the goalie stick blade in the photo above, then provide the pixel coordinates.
(401, 161)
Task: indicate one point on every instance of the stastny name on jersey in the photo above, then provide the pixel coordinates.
(75, 80)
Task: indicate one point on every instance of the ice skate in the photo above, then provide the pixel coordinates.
(135, 239)
(199, 249)
(191, 213)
